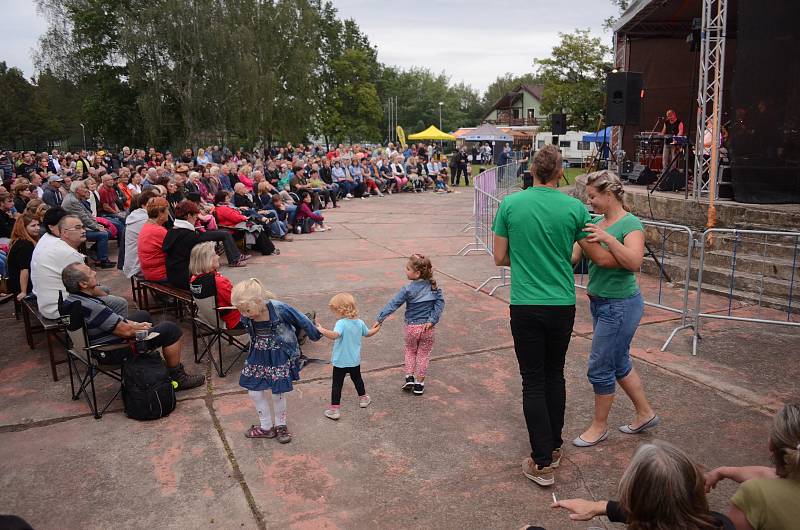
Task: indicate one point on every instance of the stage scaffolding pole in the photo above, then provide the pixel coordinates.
(709, 93)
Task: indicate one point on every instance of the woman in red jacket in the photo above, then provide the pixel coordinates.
(151, 241)
(228, 216)
(204, 266)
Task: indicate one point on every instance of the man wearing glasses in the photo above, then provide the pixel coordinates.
(56, 249)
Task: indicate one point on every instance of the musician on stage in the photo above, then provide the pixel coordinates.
(673, 126)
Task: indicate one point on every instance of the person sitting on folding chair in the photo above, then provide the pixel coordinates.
(105, 327)
(203, 266)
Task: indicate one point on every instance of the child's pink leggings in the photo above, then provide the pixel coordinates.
(419, 344)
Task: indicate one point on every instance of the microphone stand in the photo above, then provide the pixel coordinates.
(653, 132)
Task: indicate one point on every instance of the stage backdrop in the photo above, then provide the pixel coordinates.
(765, 106)
(669, 71)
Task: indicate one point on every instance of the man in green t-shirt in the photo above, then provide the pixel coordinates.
(534, 233)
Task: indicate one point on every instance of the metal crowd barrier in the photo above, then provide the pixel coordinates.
(668, 249)
(756, 266)
(490, 186)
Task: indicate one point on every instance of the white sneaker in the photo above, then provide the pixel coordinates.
(332, 414)
(348, 196)
(380, 194)
(364, 402)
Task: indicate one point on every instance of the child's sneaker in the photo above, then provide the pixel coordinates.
(419, 388)
(409, 384)
(283, 434)
(332, 414)
(364, 401)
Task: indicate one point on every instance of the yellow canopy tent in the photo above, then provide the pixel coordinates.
(431, 133)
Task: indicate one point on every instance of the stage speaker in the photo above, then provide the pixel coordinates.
(672, 181)
(623, 98)
(627, 169)
(642, 174)
(558, 122)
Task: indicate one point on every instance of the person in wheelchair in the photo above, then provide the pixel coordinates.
(107, 328)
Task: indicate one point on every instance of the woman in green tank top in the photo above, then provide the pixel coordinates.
(617, 306)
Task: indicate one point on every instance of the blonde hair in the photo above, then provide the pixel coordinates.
(424, 267)
(250, 297)
(202, 257)
(785, 441)
(606, 180)
(344, 304)
(662, 489)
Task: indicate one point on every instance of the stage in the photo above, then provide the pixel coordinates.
(673, 207)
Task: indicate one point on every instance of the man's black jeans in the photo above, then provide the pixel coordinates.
(541, 338)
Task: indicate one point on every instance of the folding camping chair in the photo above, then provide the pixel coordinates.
(208, 327)
(85, 361)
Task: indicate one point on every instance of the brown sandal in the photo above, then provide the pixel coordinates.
(256, 431)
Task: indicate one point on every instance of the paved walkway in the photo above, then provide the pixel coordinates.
(448, 459)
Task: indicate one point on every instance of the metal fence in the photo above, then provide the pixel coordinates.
(669, 249)
(753, 270)
(752, 273)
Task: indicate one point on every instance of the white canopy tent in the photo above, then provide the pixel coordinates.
(487, 133)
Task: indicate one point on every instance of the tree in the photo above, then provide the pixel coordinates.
(574, 78)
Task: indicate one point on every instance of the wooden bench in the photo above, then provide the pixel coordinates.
(137, 290)
(35, 322)
(182, 297)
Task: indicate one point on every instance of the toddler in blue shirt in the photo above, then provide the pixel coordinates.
(346, 356)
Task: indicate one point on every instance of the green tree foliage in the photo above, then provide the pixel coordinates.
(419, 92)
(573, 78)
(177, 72)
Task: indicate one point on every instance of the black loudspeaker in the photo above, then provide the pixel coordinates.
(642, 174)
(672, 181)
(623, 98)
(558, 122)
(627, 169)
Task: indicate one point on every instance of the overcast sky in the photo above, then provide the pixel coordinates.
(471, 40)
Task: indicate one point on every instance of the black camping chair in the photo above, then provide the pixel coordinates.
(87, 362)
(208, 327)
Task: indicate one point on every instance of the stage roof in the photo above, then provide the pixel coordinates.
(666, 18)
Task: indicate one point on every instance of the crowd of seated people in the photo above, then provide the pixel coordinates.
(144, 212)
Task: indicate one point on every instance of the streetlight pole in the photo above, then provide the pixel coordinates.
(84, 136)
(440, 114)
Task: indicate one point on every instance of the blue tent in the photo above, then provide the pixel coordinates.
(599, 136)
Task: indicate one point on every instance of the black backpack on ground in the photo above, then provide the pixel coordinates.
(306, 225)
(147, 390)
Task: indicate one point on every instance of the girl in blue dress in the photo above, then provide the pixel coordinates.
(274, 358)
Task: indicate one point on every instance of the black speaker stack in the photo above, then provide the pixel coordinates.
(623, 98)
(558, 124)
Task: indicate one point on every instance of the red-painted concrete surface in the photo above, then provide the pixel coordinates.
(448, 459)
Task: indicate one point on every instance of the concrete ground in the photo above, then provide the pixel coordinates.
(448, 459)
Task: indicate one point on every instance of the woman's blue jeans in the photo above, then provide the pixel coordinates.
(615, 322)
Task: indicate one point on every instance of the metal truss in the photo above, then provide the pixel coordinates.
(709, 93)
